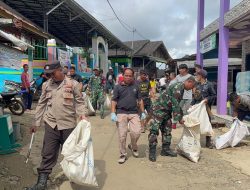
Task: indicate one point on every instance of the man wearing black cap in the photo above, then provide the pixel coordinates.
(76, 77)
(110, 78)
(145, 89)
(204, 91)
(197, 68)
(59, 106)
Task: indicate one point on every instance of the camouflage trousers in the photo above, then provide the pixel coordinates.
(165, 125)
(97, 97)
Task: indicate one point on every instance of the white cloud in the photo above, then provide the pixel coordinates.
(172, 21)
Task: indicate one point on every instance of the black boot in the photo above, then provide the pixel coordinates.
(152, 153)
(209, 143)
(41, 182)
(166, 151)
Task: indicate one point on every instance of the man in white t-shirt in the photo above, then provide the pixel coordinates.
(187, 96)
(163, 82)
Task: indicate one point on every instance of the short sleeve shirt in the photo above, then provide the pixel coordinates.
(25, 80)
(126, 97)
(144, 87)
(187, 93)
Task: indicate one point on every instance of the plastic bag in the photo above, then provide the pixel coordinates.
(199, 111)
(78, 161)
(189, 145)
(91, 110)
(84, 95)
(237, 132)
(107, 103)
(242, 84)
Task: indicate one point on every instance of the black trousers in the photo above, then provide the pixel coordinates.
(27, 96)
(52, 142)
(242, 114)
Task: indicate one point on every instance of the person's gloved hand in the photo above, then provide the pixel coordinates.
(113, 117)
(143, 116)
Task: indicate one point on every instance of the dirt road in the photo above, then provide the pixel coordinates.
(227, 169)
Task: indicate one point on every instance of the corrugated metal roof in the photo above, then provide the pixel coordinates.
(144, 48)
(73, 32)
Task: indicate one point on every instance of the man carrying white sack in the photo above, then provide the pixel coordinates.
(204, 91)
(60, 105)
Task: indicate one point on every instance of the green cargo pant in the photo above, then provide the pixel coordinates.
(97, 97)
(165, 125)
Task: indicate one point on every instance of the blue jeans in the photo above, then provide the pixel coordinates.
(109, 86)
(27, 96)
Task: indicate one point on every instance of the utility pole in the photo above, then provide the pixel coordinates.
(134, 30)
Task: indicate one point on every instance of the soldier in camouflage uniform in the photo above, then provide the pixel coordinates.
(96, 87)
(162, 110)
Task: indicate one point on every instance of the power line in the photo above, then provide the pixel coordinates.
(124, 26)
(91, 9)
(139, 34)
(109, 19)
(135, 30)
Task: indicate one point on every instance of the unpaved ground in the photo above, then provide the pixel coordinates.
(227, 169)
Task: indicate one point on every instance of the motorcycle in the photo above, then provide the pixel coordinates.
(12, 86)
(35, 86)
(9, 100)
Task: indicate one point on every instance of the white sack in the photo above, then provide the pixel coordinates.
(189, 145)
(199, 111)
(84, 95)
(237, 132)
(107, 103)
(78, 161)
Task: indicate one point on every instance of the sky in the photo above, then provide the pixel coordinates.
(172, 21)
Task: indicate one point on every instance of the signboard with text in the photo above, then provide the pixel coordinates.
(208, 44)
(11, 58)
(64, 57)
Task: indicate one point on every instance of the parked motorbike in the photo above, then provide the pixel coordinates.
(12, 86)
(35, 86)
(8, 100)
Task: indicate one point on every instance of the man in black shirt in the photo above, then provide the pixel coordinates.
(204, 90)
(145, 89)
(125, 112)
(110, 80)
(76, 77)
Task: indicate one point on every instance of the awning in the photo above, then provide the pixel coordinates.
(66, 20)
(23, 45)
(211, 62)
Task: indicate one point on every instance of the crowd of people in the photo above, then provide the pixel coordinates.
(135, 106)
